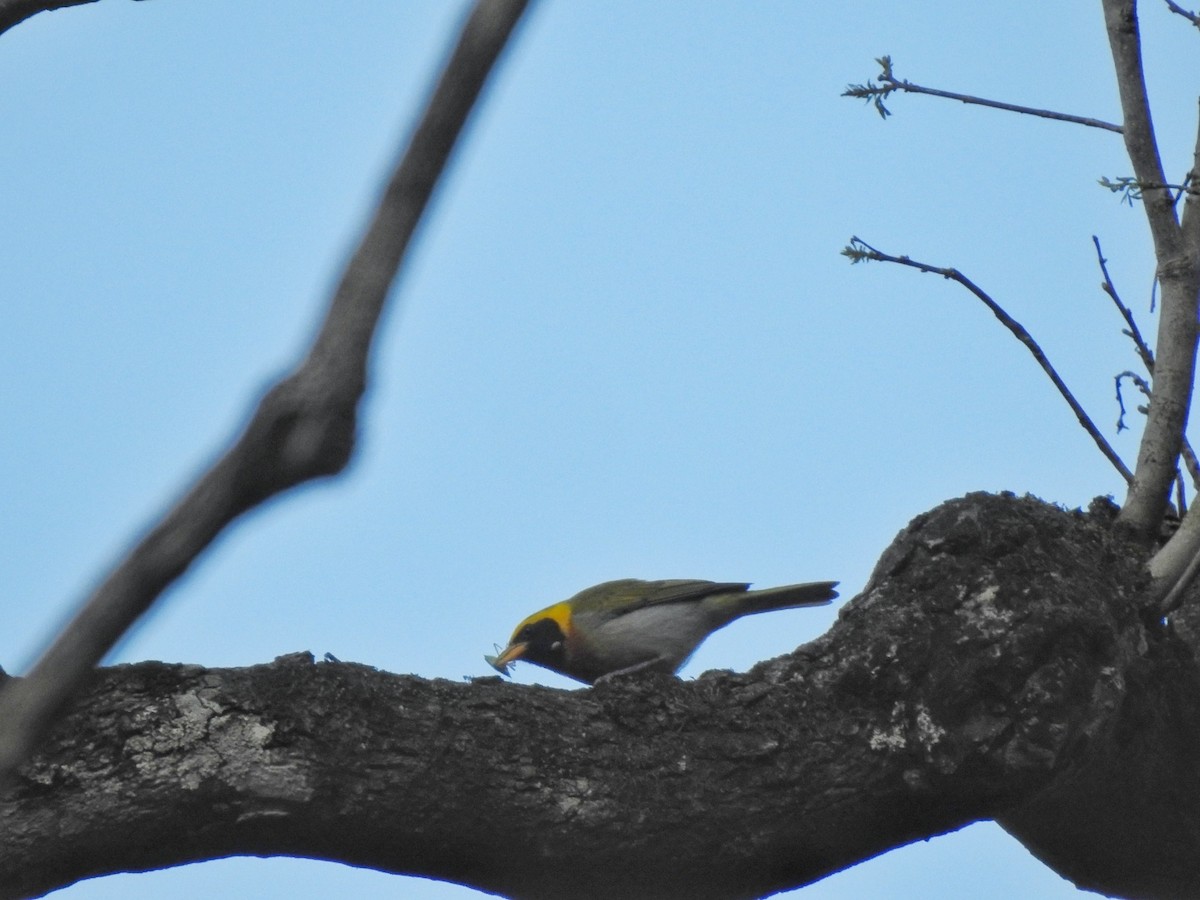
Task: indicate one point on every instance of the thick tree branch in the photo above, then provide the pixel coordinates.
(303, 428)
(994, 667)
(1175, 565)
(859, 250)
(1158, 452)
(877, 93)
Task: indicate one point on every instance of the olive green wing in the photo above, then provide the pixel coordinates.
(652, 593)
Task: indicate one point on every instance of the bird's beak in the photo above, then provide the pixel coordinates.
(508, 655)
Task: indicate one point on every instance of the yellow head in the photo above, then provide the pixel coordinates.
(542, 638)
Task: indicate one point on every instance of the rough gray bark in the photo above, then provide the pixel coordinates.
(995, 667)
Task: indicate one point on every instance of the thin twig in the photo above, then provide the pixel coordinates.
(1180, 11)
(1186, 189)
(1133, 332)
(1192, 463)
(304, 426)
(1189, 221)
(877, 93)
(1141, 384)
(1131, 189)
(1147, 357)
(859, 250)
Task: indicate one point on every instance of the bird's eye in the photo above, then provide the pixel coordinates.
(557, 645)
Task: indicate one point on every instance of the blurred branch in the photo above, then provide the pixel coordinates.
(302, 429)
(859, 250)
(876, 93)
(14, 12)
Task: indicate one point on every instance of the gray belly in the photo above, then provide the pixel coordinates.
(670, 631)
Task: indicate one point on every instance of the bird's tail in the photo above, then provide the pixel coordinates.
(814, 593)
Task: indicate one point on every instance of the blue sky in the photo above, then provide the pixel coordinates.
(625, 345)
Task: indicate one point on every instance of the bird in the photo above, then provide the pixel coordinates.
(621, 627)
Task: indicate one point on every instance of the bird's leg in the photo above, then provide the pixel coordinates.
(645, 664)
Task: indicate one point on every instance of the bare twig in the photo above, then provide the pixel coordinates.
(1192, 463)
(1147, 357)
(877, 93)
(1141, 384)
(304, 426)
(1175, 347)
(859, 251)
(1131, 189)
(1188, 454)
(1186, 189)
(1190, 220)
(1180, 11)
(1133, 332)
